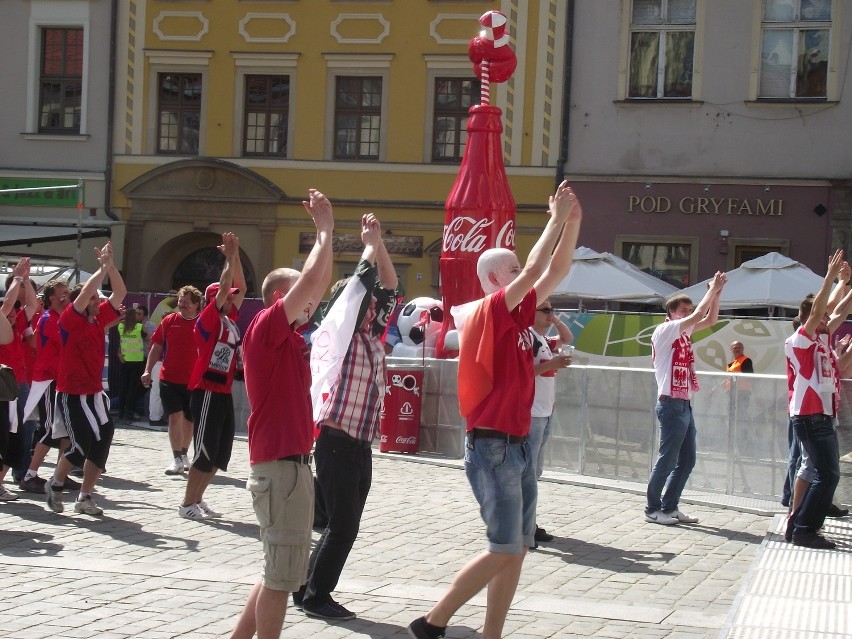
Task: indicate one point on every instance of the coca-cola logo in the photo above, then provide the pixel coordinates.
(468, 235)
(411, 440)
(384, 439)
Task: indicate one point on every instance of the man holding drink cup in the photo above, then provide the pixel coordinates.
(549, 355)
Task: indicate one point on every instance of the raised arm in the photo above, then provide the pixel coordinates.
(239, 276)
(821, 299)
(316, 273)
(712, 315)
(841, 311)
(228, 248)
(568, 208)
(95, 280)
(374, 246)
(6, 333)
(20, 273)
(561, 204)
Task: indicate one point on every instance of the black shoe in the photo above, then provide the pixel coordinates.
(33, 485)
(157, 422)
(542, 535)
(298, 597)
(77, 472)
(835, 511)
(788, 529)
(812, 540)
(330, 610)
(422, 629)
(70, 484)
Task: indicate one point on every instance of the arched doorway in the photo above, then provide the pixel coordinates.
(203, 266)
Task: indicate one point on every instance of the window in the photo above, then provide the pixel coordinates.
(267, 104)
(179, 113)
(794, 48)
(670, 261)
(357, 117)
(453, 98)
(60, 80)
(662, 46)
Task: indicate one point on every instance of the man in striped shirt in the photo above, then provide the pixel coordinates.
(349, 421)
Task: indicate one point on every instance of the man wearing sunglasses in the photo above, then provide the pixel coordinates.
(496, 386)
(547, 359)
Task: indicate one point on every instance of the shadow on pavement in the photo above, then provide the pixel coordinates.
(26, 543)
(585, 553)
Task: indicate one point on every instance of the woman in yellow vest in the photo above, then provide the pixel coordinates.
(131, 353)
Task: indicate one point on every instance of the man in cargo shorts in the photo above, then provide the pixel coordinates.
(280, 428)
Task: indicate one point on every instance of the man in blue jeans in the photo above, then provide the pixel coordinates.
(812, 376)
(674, 366)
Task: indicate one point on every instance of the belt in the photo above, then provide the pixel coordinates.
(336, 432)
(662, 398)
(299, 459)
(487, 433)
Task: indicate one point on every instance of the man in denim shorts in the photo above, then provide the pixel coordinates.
(496, 385)
(280, 428)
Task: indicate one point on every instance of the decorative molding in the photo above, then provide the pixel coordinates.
(343, 17)
(265, 60)
(401, 245)
(173, 57)
(472, 18)
(282, 17)
(204, 25)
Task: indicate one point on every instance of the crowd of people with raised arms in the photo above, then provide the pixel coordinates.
(55, 344)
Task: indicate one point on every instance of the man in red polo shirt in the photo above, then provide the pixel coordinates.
(82, 407)
(176, 336)
(218, 340)
(280, 427)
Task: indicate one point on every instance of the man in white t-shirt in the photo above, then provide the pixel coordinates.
(674, 366)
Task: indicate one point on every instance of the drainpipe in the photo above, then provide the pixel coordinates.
(566, 93)
(113, 29)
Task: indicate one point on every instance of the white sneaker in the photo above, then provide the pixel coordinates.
(6, 494)
(185, 460)
(176, 467)
(683, 517)
(87, 506)
(212, 514)
(193, 511)
(660, 517)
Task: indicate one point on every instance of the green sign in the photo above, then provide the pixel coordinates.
(46, 195)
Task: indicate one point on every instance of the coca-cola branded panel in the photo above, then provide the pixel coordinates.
(400, 420)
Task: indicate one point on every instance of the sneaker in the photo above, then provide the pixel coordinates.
(683, 517)
(70, 484)
(176, 467)
(212, 514)
(158, 422)
(330, 610)
(422, 629)
(542, 535)
(6, 494)
(193, 511)
(87, 506)
(836, 511)
(33, 485)
(77, 472)
(185, 461)
(54, 497)
(659, 517)
(812, 540)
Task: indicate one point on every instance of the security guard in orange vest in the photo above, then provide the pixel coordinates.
(741, 363)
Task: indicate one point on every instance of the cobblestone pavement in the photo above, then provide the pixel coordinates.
(141, 571)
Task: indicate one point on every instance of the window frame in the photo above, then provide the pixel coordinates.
(358, 112)
(247, 64)
(268, 110)
(176, 62)
(352, 65)
(59, 15)
(181, 110)
(796, 25)
(62, 79)
(460, 114)
(664, 240)
(622, 88)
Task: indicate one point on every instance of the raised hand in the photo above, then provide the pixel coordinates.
(371, 230)
(22, 268)
(319, 208)
(564, 205)
(104, 255)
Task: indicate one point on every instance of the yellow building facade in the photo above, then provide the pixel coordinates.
(227, 112)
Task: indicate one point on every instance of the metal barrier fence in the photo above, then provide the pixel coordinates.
(606, 427)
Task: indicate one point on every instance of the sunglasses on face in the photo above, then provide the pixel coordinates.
(546, 311)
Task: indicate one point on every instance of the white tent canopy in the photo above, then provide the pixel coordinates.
(769, 280)
(605, 277)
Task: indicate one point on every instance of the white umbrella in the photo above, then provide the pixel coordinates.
(65, 273)
(605, 277)
(769, 280)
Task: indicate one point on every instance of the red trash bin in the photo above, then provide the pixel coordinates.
(400, 419)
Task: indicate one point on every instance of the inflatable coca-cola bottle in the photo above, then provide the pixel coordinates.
(480, 209)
